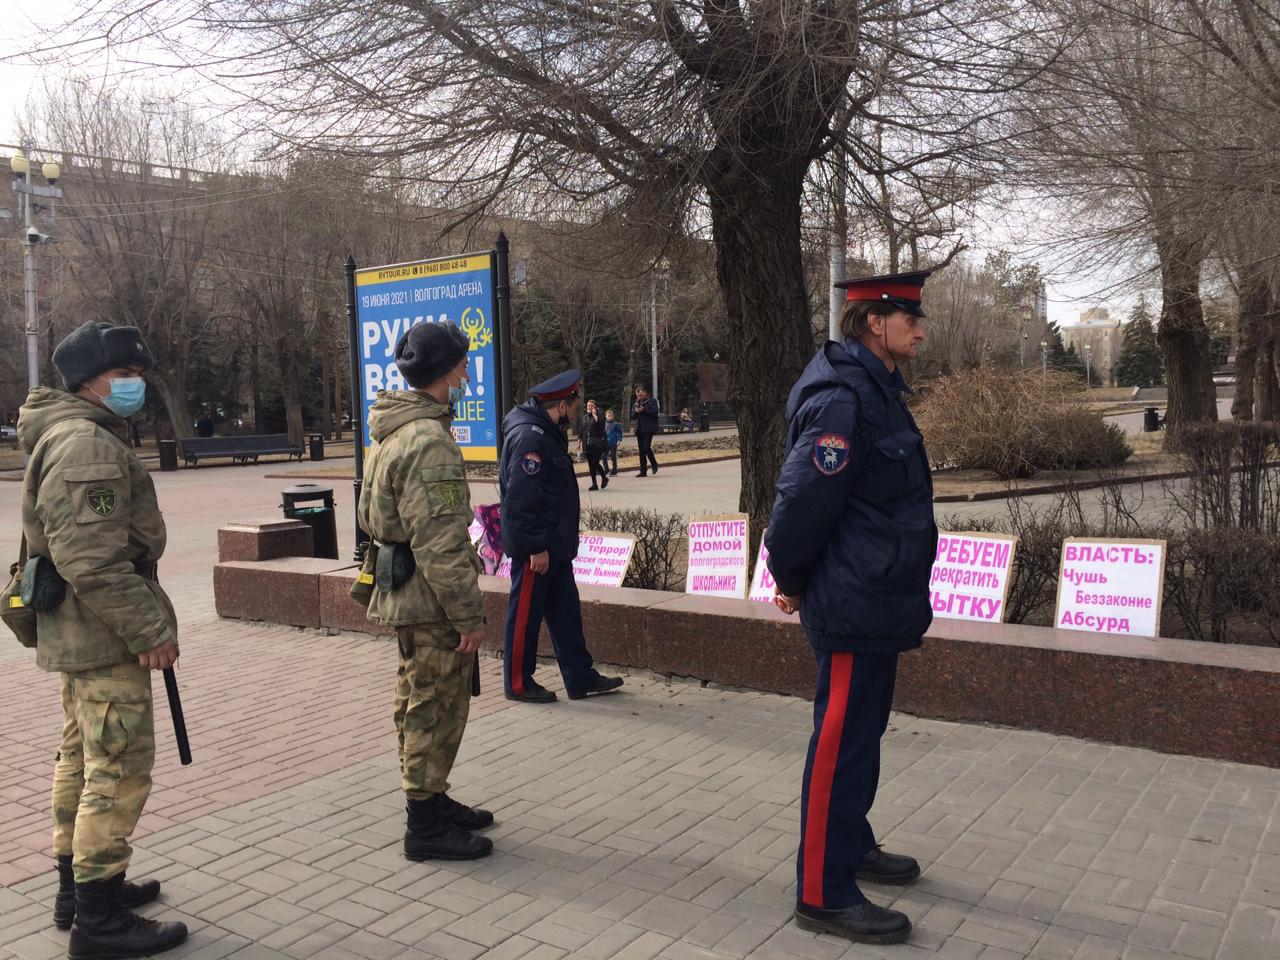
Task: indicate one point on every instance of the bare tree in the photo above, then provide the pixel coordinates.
(677, 112)
(139, 214)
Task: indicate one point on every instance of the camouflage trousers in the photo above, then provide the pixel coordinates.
(103, 776)
(433, 697)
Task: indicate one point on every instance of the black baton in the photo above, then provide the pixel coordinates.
(175, 711)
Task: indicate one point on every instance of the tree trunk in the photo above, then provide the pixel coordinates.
(627, 403)
(287, 363)
(339, 372)
(1184, 336)
(255, 374)
(325, 421)
(173, 394)
(1268, 389)
(755, 215)
(1253, 301)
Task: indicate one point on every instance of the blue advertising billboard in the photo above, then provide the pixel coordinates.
(391, 299)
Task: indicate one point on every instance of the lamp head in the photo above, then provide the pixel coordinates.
(51, 172)
(19, 164)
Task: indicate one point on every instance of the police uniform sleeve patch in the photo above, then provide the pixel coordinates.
(531, 463)
(101, 500)
(831, 454)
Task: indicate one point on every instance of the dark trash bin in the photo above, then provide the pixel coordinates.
(320, 517)
(168, 454)
(704, 423)
(317, 446)
(1150, 420)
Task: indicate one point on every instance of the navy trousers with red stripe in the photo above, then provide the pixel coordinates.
(850, 715)
(554, 596)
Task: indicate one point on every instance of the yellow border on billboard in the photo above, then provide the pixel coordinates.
(423, 268)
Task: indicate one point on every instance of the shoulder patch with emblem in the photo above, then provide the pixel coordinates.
(531, 463)
(831, 454)
(450, 494)
(101, 500)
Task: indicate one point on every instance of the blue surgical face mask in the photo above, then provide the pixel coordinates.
(126, 396)
(458, 394)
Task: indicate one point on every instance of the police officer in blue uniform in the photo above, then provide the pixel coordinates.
(540, 534)
(851, 542)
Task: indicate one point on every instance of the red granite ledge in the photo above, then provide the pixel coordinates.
(1177, 696)
(285, 590)
(264, 540)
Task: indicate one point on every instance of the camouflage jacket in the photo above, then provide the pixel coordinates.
(88, 504)
(415, 492)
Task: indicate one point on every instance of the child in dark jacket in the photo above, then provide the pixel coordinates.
(613, 435)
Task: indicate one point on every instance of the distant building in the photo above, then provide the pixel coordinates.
(1099, 337)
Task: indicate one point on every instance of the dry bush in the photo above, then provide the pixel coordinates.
(655, 564)
(1015, 424)
(1234, 478)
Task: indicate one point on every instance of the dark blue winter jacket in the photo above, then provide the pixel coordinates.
(852, 527)
(539, 491)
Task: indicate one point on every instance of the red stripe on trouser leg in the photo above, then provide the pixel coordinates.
(522, 625)
(822, 776)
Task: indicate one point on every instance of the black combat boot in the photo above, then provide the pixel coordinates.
(861, 923)
(464, 817)
(432, 835)
(879, 866)
(105, 930)
(64, 905)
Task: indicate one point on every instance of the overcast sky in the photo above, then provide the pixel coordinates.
(22, 21)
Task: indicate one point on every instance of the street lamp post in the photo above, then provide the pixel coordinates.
(1044, 356)
(27, 191)
(1022, 341)
(659, 273)
(1088, 368)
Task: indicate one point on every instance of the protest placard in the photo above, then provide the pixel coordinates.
(970, 576)
(603, 558)
(762, 580)
(1111, 586)
(718, 556)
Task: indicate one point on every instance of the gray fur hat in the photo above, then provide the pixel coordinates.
(95, 347)
(428, 351)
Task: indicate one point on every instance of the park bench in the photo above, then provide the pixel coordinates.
(670, 423)
(243, 449)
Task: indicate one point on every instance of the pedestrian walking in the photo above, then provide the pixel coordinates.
(646, 417)
(93, 528)
(851, 541)
(613, 435)
(540, 515)
(592, 431)
(416, 505)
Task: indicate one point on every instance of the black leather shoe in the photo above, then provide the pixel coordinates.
(602, 685)
(431, 835)
(593, 487)
(888, 868)
(604, 482)
(534, 694)
(64, 904)
(467, 818)
(104, 930)
(864, 923)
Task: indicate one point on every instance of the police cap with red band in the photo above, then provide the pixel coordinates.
(902, 290)
(563, 386)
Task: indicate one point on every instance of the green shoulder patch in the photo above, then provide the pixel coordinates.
(101, 500)
(450, 493)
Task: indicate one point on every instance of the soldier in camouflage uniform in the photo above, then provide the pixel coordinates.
(415, 493)
(89, 506)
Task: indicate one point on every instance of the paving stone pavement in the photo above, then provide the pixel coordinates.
(660, 822)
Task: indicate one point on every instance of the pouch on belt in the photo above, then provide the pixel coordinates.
(394, 566)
